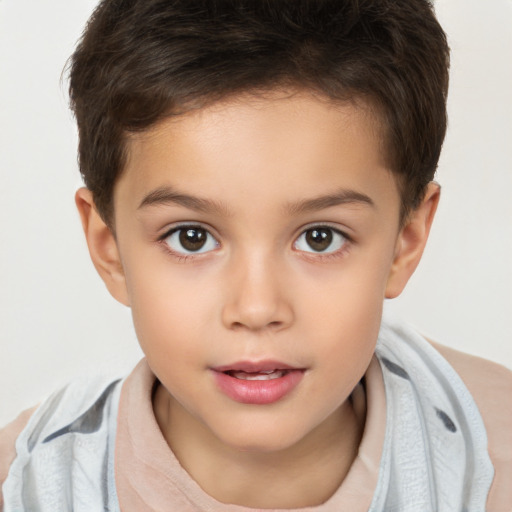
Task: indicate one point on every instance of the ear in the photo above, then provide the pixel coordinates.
(102, 246)
(411, 242)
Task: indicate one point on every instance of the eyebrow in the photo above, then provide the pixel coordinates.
(167, 195)
(341, 197)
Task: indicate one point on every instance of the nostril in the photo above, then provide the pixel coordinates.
(270, 325)
(237, 326)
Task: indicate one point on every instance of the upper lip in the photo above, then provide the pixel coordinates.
(255, 366)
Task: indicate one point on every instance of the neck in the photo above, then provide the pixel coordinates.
(305, 474)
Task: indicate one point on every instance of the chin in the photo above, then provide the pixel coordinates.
(261, 437)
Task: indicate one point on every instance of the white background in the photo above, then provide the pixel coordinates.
(56, 318)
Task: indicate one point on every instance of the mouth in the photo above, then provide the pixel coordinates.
(257, 383)
(262, 375)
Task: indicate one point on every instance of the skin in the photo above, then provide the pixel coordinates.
(259, 291)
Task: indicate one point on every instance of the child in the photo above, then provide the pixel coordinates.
(259, 179)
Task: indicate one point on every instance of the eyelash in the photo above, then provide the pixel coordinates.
(184, 257)
(180, 256)
(325, 256)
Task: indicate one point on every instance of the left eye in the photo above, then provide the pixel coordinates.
(320, 239)
(191, 240)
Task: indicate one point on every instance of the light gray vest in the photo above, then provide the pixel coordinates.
(65, 455)
(434, 456)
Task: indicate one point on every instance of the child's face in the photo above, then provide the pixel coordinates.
(258, 235)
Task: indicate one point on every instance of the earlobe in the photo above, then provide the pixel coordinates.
(411, 242)
(102, 246)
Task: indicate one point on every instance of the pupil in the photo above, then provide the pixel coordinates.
(319, 239)
(192, 239)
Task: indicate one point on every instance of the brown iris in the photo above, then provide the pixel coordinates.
(193, 239)
(319, 239)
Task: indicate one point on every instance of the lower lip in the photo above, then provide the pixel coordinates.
(258, 392)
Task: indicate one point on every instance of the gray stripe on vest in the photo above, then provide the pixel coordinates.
(90, 421)
(29, 495)
(394, 368)
(54, 403)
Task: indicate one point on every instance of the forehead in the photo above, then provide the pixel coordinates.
(278, 144)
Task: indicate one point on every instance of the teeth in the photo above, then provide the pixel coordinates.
(264, 375)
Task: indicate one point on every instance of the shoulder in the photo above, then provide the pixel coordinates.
(71, 429)
(474, 368)
(8, 436)
(490, 384)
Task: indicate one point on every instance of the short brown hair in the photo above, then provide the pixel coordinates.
(141, 60)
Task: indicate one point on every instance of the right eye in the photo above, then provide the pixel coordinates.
(190, 240)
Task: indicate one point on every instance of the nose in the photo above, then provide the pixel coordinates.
(257, 297)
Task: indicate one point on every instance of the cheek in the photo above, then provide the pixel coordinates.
(169, 309)
(349, 335)
(344, 318)
(167, 324)
(350, 294)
